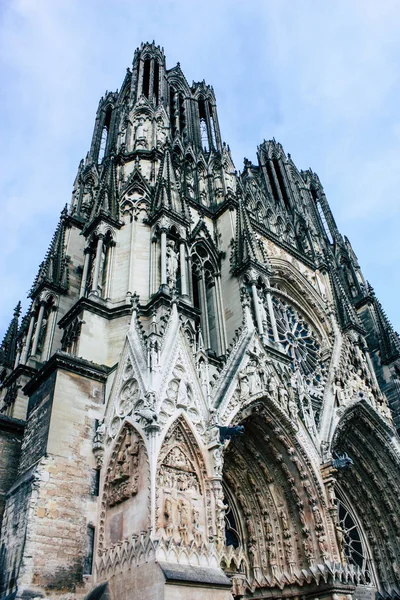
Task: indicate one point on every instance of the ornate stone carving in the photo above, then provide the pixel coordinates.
(123, 471)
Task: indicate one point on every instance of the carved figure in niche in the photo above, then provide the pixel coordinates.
(153, 355)
(273, 388)
(268, 528)
(323, 546)
(244, 383)
(272, 553)
(169, 517)
(141, 133)
(122, 134)
(317, 517)
(253, 373)
(304, 241)
(220, 514)
(283, 397)
(251, 530)
(254, 556)
(172, 264)
(123, 475)
(291, 238)
(331, 495)
(189, 181)
(285, 523)
(203, 189)
(308, 548)
(182, 399)
(292, 407)
(218, 185)
(340, 541)
(196, 531)
(218, 460)
(184, 519)
(161, 133)
(308, 490)
(98, 443)
(288, 549)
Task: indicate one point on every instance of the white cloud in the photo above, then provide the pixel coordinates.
(319, 76)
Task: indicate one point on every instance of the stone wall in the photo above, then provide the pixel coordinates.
(11, 431)
(47, 543)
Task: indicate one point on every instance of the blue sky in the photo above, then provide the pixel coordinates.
(322, 77)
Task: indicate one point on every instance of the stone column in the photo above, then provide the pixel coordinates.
(204, 310)
(38, 327)
(99, 250)
(163, 257)
(28, 340)
(131, 257)
(85, 272)
(109, 279)
(182, 257)
(272, 317)
(221, 312)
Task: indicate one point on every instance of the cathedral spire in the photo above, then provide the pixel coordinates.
(107, 201)
(54, 269)
(389, 339)
(348, 317)
(9, 344)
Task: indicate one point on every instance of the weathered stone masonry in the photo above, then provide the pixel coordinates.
(202, 400)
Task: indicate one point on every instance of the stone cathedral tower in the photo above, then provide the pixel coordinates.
(202, 400)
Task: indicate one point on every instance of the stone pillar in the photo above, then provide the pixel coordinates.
(85, 272)
(109, 279)
(272, 317)
(38, 327)
(99, 250)
(131, 257)
(182, 257)
(204, 310)
(153, 266)
(28, 340)
(163, 257)
(221, 312)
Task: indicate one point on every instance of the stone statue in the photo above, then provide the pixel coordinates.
(172, 264)
(141, 133)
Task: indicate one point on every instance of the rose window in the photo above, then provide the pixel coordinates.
(296, 336)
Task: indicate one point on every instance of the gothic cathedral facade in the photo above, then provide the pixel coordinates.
(203, 400)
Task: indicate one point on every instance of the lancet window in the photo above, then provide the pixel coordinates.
(322, 216)
(97, 265)
(206, 295)
(104, 136)
(177, 111)
(208, 135)
(151, 79)
(352, 541)
(169, 261)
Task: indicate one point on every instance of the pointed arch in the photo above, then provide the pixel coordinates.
(372, 487)
(276, 499)
(126, 490)
(182, 511)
